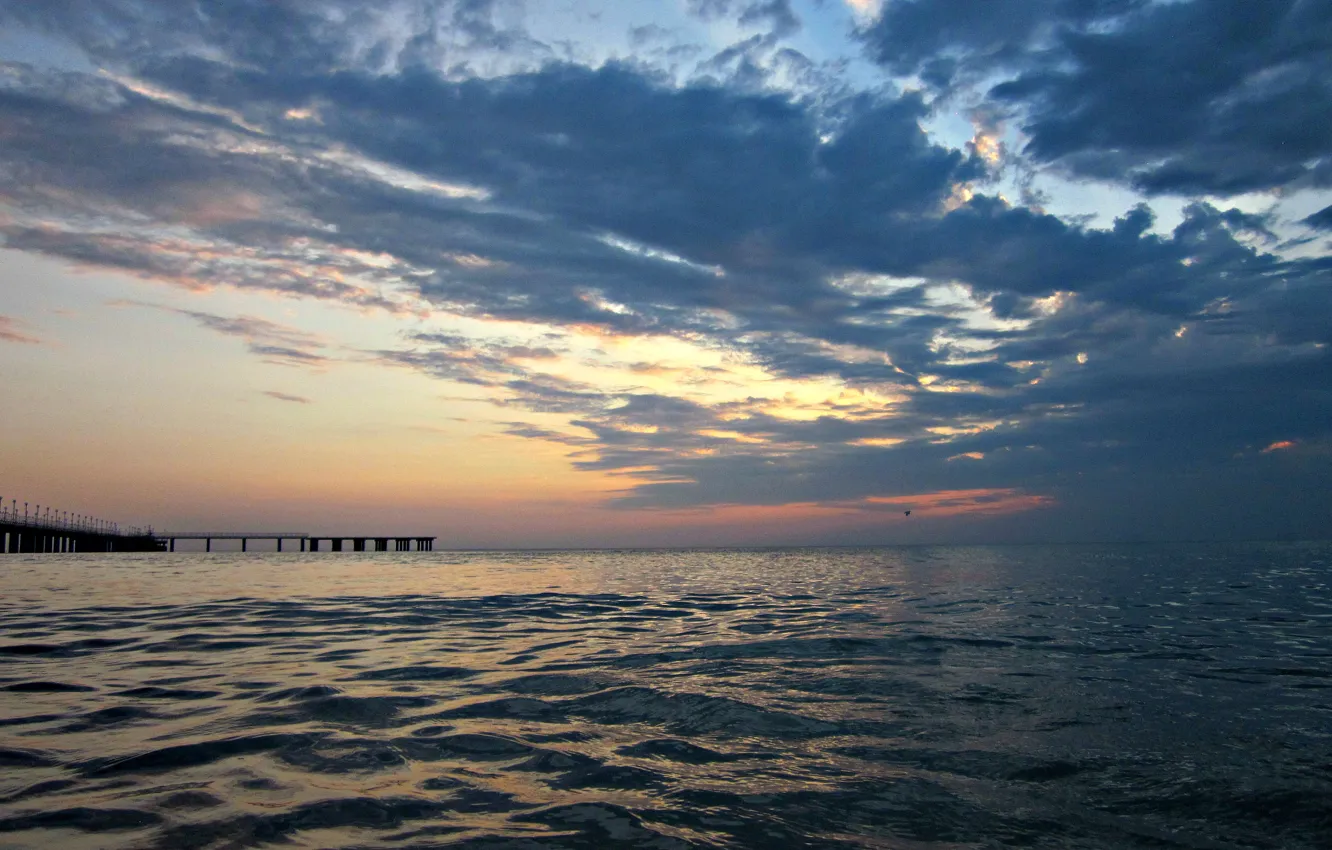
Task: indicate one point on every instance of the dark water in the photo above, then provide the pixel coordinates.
(1135, 696)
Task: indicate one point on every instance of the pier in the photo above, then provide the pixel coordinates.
(305, 542)
(34, 530)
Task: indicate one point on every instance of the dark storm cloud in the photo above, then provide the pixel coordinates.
(937, 39)
(776, 15)
(667, 168)
(1217, 97)
(818, 237)
(1321, 220)
(696, 169)
(310, 35)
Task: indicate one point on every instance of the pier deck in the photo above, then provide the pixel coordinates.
(306, 542)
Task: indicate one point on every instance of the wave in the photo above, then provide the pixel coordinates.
(880, 708)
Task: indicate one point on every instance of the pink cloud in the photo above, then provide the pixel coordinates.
(10, 331)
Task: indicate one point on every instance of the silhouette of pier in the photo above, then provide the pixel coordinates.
(306, 542)
(35, 529)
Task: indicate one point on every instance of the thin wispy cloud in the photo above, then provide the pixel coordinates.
(15, 330)
(273, 342)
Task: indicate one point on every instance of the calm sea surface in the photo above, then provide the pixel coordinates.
(1062, 697)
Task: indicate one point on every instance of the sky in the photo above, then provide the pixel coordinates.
(686, 272)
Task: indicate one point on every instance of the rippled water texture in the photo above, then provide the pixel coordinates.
(1135, 696)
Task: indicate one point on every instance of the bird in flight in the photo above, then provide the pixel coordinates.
(906, 513)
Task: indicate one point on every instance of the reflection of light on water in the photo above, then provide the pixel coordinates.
(376, 700)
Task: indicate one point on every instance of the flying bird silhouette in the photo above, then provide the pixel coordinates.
(906, 513)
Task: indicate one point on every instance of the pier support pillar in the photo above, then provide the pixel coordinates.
(358, 544)
(314, 544)
(336, 544)
(279, 544)
(171, 546)
(208, 544)
(245, 545)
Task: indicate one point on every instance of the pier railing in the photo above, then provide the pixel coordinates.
(54, 519)
(47, 529)
(42, 530)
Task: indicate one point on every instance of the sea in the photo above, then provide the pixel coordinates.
(1098, 696)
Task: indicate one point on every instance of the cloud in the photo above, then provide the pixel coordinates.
(274, 343)
(296, 399)
(1321, 220)
(12, 330)
(892, 335)
(777, 15)
(1172, 98)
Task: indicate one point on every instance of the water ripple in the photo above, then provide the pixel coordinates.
(1062, 697)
